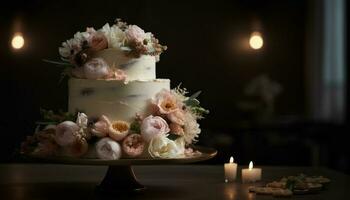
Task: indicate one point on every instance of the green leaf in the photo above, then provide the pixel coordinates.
(290, 184)
(192, 102)
(57, 62)
(135, 127)
(195, 95)
(173, 137)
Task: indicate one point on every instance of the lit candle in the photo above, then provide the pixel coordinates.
(251, 174)
(230, 171)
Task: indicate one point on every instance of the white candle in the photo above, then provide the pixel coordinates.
(251, 174)
(230, 171)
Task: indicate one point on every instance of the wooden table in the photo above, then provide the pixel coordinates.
(63, 182)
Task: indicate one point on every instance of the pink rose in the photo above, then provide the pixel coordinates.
(101, 127)
(98, 41)
(153, 126)
(96, 68)
(176, 129)
(177, 117)
(135, 33)
(66, 133)
(133, 145)
(165, 101)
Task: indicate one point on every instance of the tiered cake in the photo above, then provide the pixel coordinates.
(120, 108)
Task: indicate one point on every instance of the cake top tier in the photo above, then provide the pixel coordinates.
(119, 51)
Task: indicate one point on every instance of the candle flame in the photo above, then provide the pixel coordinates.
(256, 41)
(251, 165)
(231, 159)
(17, 41)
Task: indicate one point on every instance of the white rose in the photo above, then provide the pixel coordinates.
(108, 149)
(163, 147)
(153, 126)
(66, 133)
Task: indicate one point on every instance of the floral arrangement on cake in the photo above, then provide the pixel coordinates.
(78, 52)
(167, 132)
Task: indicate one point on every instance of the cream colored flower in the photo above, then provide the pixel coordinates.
(163, 147)
(118, 130)
(191, 128)
(74, 45)
(115, 36)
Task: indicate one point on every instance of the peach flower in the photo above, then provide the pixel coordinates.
(119, 75)
(165, 101)
(176, 129)
(135, 33)
(133, 145)
(118, 130)
(177, 117)
(98, 41)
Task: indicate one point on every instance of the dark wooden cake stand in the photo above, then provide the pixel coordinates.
(120, 177)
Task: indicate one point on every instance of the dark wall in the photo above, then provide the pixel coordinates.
(205, 53)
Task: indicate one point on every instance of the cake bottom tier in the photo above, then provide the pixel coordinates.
(114, 99)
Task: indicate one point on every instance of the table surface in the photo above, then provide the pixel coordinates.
(49, 181)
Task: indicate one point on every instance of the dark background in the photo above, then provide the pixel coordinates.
(205, 52)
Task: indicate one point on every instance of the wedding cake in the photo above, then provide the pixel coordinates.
(117, 108)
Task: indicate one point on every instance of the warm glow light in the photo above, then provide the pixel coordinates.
(256, 41)
(17, 41)
(231, 159)
(251, 165)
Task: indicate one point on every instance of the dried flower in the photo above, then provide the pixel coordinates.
(191, 128)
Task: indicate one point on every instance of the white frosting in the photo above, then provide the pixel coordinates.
(143, 68)
(115, 99)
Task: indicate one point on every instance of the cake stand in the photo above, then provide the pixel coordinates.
(120, 177)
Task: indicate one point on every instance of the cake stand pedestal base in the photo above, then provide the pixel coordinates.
(118, 180)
